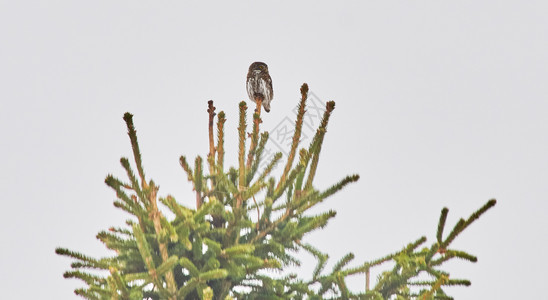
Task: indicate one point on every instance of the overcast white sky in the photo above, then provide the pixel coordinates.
(439, 103)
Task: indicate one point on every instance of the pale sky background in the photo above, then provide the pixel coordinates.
(439, 103)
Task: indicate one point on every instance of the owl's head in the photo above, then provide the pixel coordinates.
(258, 66)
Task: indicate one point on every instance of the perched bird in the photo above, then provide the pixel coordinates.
(259, 84)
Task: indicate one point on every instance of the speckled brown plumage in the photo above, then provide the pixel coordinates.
(259, 84)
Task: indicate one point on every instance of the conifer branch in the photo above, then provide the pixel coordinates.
(462, 224)
(309, 224)
(134, 182)
(342, 286)
(241, 152)
(453, 234)
(479, 212)
(211, 155)
(321, 257)
(186, 167)
(119, 282)
(86, 277)
(255, 134)
(179, 210)
(441, 224)
(252, 190)
(410, 247)
(296, 136)
(220, 140)
(205, 210)
(337, 187)
(144, 276)
(304, 157)
(227, 184)
(257, 158)
(367, 279)
(123, 206)
(273, 225)
(111, 241)
(155, 215)
(262, 143)
(187, 288)
(81, 257)
(463, 282)
(146, 254)
(316, 144)
(449, 254)
(88, 294)
(270, 166)
(437, 284)
(288, 183)
(131, 203)
(167, 265)
(343, 261)
(206, 252)
(121, 231)
(135, 146)
(198, 184)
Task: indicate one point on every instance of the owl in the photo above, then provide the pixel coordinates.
(259, 84)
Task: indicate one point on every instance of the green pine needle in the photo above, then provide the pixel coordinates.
(235, 233)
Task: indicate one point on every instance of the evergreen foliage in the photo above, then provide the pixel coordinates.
(246, 222)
